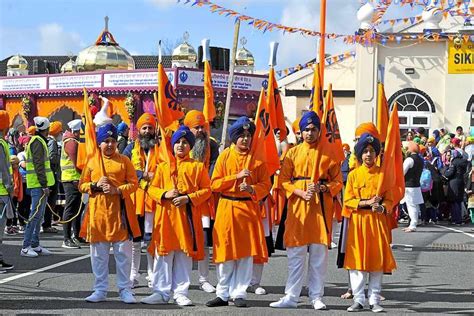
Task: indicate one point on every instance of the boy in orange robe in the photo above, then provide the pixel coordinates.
(177, 234)
(368, 238)
(111, 218)
(309, 219)
(238, 230)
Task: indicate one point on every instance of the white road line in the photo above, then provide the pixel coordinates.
(62, 263)
(456, 230)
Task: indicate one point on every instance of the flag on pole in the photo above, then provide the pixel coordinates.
(208, 109)
(330, 150)
(391, 172)
(382, 112)
(277, 117)
(316, 102)
(168, 109)
(263, 143)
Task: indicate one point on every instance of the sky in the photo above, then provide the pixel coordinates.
(62, 27)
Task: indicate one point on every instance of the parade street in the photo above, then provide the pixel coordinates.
(434, 276)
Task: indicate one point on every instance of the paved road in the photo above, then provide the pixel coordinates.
(434, 276)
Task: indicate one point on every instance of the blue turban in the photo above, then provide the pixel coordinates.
(106, 131)
(237, 129)
(365, 140)
(309, 117)
(121, 128)
(183, 131)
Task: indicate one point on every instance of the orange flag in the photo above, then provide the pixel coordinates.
(382, 112)
(208, 109)
(263, 143)
(88, 147)
(330, 150)
(168, 109)
(277, 117)
(316, 102)
(392, 178)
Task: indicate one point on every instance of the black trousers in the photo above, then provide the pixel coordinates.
(53, 196)
(73, 203)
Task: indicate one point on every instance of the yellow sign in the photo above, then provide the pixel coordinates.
(461, 57)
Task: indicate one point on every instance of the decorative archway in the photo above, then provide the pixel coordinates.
(415, 108)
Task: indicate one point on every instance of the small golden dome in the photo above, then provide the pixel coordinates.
(244, 57)
(184, 51)
(104, 54)
(17, 62)
(69, 66)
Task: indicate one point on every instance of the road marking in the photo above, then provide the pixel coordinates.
(456, 230)
(62, 263)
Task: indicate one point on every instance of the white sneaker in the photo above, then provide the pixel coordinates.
(284, 302)
(28, 252)
(257, 289)
(333, 245)
(127, 297)
(42, 251)
(96, 297)
(318, 304)
(207, 287)
(183, 301)
(155, 298)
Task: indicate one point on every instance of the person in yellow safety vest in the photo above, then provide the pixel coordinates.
(39, 177)
(70, 176)
(6, 183)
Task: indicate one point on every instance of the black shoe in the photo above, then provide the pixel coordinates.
(69, 244)
(5, 266)
(240, 302)
(79, 241)
(217, 302)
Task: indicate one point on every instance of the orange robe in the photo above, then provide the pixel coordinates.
(306, 223)
(105, 221)
(171, 231)
(238, 229)
(142, 162)
(368, 236)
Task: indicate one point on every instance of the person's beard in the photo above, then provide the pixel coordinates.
(147, 141)
(200, 147)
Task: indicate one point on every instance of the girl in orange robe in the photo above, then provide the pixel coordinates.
(238, 230)
(177, 234)
(368, 237)
(111, 219)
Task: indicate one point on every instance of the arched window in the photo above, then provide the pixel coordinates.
(415, 108)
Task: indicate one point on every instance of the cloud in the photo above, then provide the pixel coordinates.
(54, 40)
(295, 48)
(162, 3)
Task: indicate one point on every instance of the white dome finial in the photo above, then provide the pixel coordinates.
(432, 16)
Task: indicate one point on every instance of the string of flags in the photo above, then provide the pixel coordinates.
(328, 60)
(438, 3)
(417, 19)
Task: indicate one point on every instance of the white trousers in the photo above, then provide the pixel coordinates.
(203, 267)
(234, 278)
(137, 251)
(171, 273)
(317, 269)
(100, 264)
(358, 286)
(257, 272)
(413, 212)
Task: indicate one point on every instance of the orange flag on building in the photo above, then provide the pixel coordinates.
(330, 150)
(275, 106)
(209, 110)
(392, 178)
(382, 112)
(316, 102)
(88, 148)
(263, 143)
(168, 110)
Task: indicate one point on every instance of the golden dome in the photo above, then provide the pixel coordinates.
(104, 54)
(69, 66)
(184, 51)
(17, 62)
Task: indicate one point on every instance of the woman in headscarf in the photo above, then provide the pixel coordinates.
(368, 238)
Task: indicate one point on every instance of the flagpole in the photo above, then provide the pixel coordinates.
(229, 86)
(322, 46)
